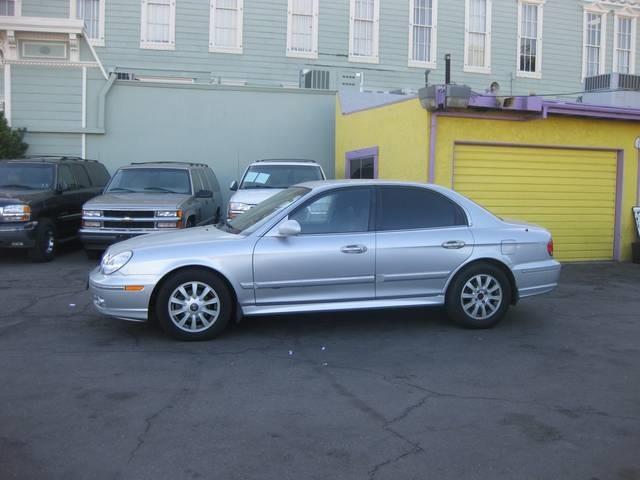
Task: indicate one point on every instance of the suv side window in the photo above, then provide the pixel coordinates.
(197, 181)
(98, 174)
(206, 185)
(213, 181)
(340, 211)
(65, 177)
(413, 208)
(82, 179)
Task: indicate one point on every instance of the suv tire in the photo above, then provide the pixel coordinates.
(44, 249)
(193, 304)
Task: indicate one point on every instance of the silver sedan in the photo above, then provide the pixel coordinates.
(326, 246)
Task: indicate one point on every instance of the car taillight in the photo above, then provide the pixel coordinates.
(550, 247)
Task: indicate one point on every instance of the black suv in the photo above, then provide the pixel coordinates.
(41, 201)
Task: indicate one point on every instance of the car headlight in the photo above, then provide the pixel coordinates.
(113, 263)
(91, 213)
(16, 213)
(236, 208)
(169, 213)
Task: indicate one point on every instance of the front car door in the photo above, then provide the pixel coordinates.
(421, 238)
(331, 260)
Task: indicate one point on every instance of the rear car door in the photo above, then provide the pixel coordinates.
(422, 237)
(84, 192)
(207, 204)
(331, 260)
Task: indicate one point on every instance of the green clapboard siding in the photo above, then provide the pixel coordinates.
(53, 144)
(45, 8)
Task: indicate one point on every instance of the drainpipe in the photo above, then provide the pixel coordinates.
(433, 138)
(102, 100)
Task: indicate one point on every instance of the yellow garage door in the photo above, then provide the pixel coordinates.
(572, 193)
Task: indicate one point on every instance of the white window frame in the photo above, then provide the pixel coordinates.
(74, 10)
(434, 37)
(171, 45)
(633, 16)
(597, 10)
(17, 8)
(375, 57)
(314, 35)
(212, 33)
(25, 42)
(487, 50)
(538, 72)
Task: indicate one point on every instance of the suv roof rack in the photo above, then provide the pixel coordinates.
(192, 164)
(56, 157)
(292, 160)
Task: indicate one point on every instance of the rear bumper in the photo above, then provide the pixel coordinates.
(18, 236)
(537, 278)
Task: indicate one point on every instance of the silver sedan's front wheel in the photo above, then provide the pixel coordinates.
(479, 296)
(193, 304)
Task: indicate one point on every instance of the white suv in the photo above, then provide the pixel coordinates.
(265, 178)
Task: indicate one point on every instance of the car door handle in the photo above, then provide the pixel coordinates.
(453, 244)
(353, 249)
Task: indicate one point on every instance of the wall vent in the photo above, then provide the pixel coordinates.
(351, 81)
(124, 76)
(612, 81)
(317, 79)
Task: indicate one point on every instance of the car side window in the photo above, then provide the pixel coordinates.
(65, 177)
(206, 185)
(197, 181)
(412, 208)
(215, 187)
(82, 179)
(98, 174)
(341, 211)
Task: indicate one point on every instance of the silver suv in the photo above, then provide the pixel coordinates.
(143, 198)
(264, 178)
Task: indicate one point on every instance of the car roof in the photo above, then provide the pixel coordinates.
(181, 165)
(53, 159)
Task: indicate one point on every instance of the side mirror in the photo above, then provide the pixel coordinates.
(62, 187)
(234, 186)
(289, 228)
(204, 194)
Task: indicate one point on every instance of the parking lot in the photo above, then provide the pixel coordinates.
(553, 392)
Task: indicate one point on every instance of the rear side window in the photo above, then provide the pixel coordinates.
(197, 181)
(213, 181)
(65, 178)
(411, 208)
(98, 174)
(82, 179)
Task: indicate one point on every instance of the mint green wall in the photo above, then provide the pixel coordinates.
(45, 8)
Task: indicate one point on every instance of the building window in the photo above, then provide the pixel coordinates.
(477, 50)
(624, 42)
(363, 31)
(158, 24)
(594, 39)
(423, 33)
(9, 8)
(362, 164)
(225, 35)
(529, 39)
(302, 28)
(92, 12)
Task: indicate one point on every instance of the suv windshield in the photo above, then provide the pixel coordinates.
(150, 180)
(252, 217)
(279, 176)
(28, 176)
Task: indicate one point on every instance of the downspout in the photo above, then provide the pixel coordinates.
(102, 100)
(433, 139)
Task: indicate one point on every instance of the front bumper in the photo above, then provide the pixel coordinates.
(110, 298)
(101, 239)
(22, 235)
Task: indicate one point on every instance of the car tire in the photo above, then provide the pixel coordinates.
(478, 297)
(190, 223)
(191, 317)
(218, 217)
(45, 246)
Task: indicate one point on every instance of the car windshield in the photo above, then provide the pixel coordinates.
(251, 218)
(150, 180)
(26, 176)
(279, 176)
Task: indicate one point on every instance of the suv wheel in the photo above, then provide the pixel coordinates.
(193, 304)
(479, 297)
(45, 247)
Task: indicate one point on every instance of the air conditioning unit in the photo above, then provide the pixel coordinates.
(316, 79)
(612, 89)
(351, 81)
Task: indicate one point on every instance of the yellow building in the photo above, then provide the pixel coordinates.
(569, 167)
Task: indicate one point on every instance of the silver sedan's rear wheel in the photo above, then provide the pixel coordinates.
(479, 296)
(193, 304)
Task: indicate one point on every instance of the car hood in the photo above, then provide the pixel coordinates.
(11, 196)
(180, 238)
(136, 201)
(253, 196)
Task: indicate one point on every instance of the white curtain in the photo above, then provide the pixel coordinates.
(158, 21)
(302, 25)
(89, 11)
(422, 30)
(477, 33)
(226, 23)
(363, 28)
(8, 7)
